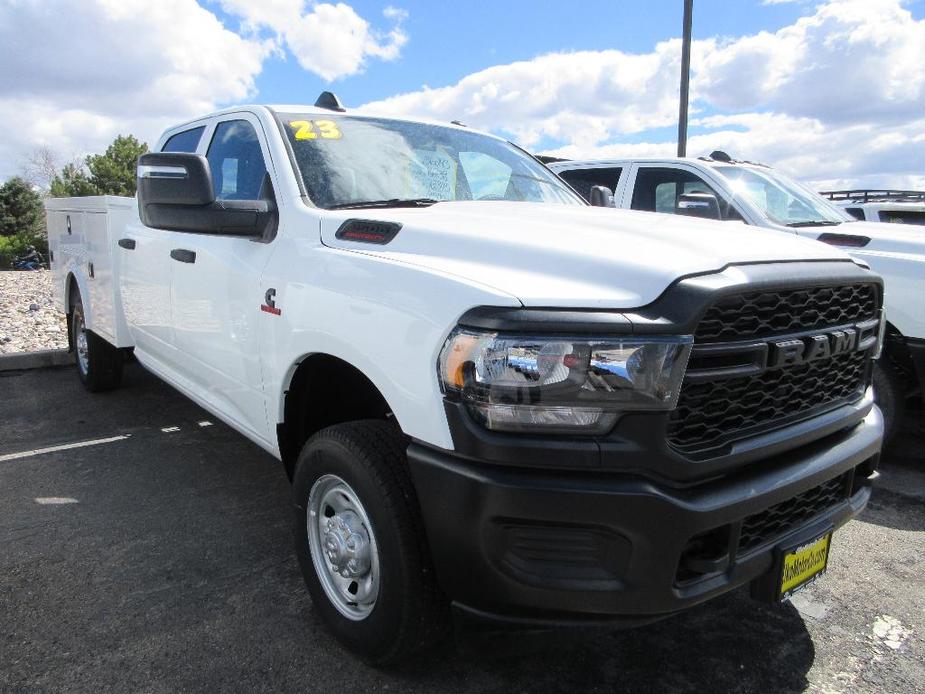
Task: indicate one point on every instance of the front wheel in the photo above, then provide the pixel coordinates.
(361, 544)
(890, 396)
(99, 364)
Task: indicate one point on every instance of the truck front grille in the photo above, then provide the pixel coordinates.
(778, 520)
(713, 412)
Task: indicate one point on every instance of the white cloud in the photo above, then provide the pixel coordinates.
(838, 94)
(330, 40)
(577, 97)
(827, 156)
(74, 75)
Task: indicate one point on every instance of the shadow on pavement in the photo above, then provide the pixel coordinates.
(730, 644)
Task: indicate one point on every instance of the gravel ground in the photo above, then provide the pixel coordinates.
(29, 319)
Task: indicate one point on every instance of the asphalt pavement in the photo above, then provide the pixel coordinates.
(160, 559)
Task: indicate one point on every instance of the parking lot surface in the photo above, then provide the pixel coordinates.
(159, 558)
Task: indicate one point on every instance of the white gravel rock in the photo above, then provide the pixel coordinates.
(29, 317)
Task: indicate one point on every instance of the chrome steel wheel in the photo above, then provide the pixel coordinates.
(343, 547)
(80, 341)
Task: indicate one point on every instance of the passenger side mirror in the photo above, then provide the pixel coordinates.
(698, 205)
(175, 193)
(601, 196)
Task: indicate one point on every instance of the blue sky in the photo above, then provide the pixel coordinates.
(449, 40)
(832, 91)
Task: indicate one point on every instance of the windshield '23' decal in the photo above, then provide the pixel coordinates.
(311, 130)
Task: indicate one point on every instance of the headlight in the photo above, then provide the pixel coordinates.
(574, 385)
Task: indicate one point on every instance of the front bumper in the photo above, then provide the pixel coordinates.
(558, 547)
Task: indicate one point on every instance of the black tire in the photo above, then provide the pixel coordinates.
(100, 367)
(890, 396)
(409, 611)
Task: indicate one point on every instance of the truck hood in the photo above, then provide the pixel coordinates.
(887, 238)
(556, 255)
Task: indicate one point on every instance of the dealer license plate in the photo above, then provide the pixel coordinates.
(804, 564)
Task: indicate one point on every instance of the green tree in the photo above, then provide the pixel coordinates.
(21, 211)
(22, 220)
(115, 171)
(72, 182)
(110, 173)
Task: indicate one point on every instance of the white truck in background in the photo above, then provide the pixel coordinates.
(485, 392)
(718, 187)
(889, 206)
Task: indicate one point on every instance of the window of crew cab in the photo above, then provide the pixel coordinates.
(583, 179)
(902, 216)
(658, 189)
(236, 162)
(185, 141)
(855, 212)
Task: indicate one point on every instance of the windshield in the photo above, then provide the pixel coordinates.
(781, 199)
(349, 162)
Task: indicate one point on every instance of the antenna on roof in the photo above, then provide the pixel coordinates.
(719, 155)
(329, 101)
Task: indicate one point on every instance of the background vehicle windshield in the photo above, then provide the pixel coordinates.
(347, 160)
(781, 199)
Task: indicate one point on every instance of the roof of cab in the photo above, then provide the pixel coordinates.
(319, 111)
(622, 161)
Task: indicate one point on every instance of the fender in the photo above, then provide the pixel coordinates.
(346, 353)
(72, 269)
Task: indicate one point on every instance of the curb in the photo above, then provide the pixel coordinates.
(35, 360)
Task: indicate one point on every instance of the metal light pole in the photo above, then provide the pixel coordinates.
(685, 77)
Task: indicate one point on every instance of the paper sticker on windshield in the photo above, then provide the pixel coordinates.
(312, 130)
(433, 175)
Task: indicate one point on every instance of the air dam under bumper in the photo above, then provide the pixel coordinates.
(535, 545)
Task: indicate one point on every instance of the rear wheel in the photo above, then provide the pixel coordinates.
(99, 364)
(890, 396)
(361, 544)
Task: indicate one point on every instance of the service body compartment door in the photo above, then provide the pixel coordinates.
(99, 275)
(62, 247)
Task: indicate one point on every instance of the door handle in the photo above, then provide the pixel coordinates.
(183, 255)
(128, 244)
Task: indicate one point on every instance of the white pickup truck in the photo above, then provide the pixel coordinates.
(717, 187)
(485, 392)
(889, 206)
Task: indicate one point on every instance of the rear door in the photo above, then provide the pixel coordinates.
(216, 289)
(145, 274)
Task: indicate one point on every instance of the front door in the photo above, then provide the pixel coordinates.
(216, 291)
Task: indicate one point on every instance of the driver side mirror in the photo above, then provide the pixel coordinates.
(175, 193)
(698, 205)
(601, 196)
